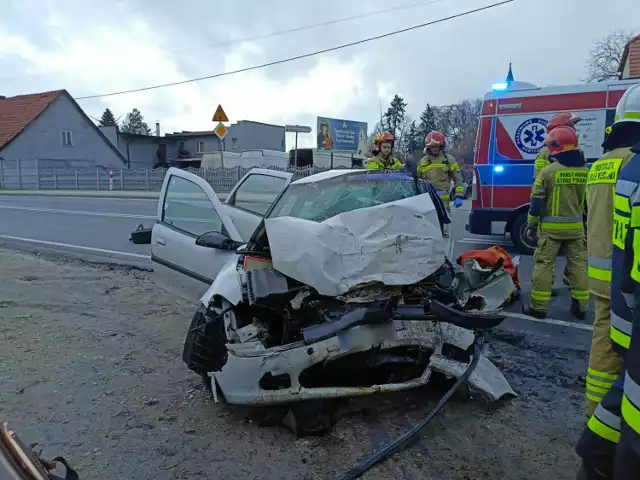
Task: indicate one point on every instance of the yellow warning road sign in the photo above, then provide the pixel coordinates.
(220, 116)
(221, 131)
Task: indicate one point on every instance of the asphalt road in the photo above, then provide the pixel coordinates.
(98, 229)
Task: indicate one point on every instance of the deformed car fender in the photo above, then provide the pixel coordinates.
(227, 285)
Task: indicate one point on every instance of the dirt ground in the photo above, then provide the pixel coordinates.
(91, 369)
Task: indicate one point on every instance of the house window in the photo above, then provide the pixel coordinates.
(199, 147)
(66, 139)
(234, 143)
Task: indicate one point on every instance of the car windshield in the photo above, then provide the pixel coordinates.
(324, 199)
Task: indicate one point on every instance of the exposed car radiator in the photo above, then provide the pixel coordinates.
(264, 282)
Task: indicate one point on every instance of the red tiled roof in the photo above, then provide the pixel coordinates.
(625, 53)
(16, 113)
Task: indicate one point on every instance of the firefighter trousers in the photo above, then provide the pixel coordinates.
(606, 454)
(544, 270)
(605, 365)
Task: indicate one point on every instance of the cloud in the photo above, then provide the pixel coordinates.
(91, 47)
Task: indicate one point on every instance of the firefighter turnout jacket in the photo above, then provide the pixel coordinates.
(557, 199)
(600, 192)
(380, 163)
(440, 170)
(542, 160)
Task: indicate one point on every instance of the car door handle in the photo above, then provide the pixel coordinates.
(161, 241)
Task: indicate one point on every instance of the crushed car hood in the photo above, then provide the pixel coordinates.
(397, 243)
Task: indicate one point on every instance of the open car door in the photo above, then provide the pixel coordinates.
(252, 196)
(188, 208)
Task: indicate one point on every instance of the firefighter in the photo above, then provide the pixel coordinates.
(440, 169)
(556, 209)
(383, 154)
(543, 159)
(610, 443)
(605, 365)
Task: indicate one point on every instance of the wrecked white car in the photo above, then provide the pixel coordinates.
(335, 285)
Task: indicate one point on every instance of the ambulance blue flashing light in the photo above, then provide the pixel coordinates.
(498, 87)
(498, 169)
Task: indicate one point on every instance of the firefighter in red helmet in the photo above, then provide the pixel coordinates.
(383, 154)
(440, 169)
(567, 119)
(542, 160)
(556, 211)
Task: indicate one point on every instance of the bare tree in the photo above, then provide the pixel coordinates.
(605, 55)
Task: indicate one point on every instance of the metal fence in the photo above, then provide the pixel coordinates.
(28, 175)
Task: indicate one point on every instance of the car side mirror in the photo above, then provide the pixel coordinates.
(217, 240)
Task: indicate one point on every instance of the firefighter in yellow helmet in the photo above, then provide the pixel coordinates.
(556, 209)
(604, 364)
(440, 169)
(610, 444)
(383, 158)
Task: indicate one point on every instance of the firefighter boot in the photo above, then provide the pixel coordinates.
(587, 473)
(576, 311)
(532, 312)
(576, 251)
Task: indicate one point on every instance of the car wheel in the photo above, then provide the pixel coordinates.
(518, 237)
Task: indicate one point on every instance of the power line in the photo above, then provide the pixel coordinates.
(300, 57)
(310, 27)
(264, 36)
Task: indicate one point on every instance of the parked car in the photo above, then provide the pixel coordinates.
(334, 285)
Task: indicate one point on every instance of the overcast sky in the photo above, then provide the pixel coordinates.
(93, 47)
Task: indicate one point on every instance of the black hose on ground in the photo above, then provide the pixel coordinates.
(403, 441)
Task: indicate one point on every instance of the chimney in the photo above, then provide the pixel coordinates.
(630, 62)
(157, 129)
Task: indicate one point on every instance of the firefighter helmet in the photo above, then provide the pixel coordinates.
(628, 109)
(565, 118)
(384, 137)
(433, 139)
(562, 139)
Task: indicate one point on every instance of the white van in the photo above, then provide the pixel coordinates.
(217, 160)
(264, 158)
(324, 159)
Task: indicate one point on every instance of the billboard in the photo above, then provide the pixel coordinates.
(342, 136)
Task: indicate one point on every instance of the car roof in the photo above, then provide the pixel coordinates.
(338, 173)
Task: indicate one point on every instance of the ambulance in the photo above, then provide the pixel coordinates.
(512, 131)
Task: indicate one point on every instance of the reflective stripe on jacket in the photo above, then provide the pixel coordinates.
(379, 163)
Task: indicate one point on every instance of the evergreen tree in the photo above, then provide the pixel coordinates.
(134, 123)
(415, 139)
(108, 119)
(428, 121)
(394, 117)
